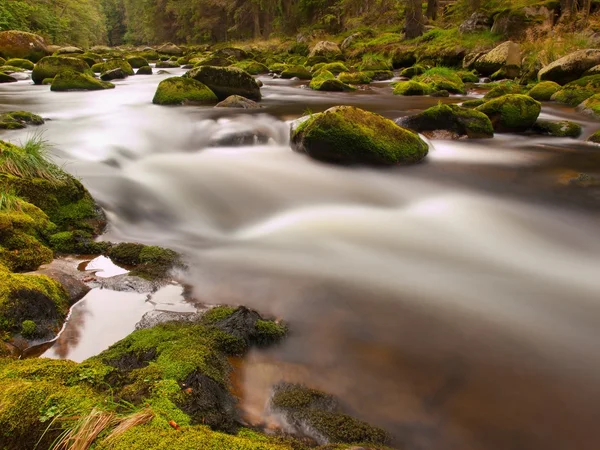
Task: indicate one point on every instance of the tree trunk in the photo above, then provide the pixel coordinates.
(414, 19)
(256, 13)
(432, 9)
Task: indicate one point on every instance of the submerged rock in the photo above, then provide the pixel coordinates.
(570, 67)
(69, 80)
(226, 81)
(19, 44)
(50, 66)
(512, 112)
(180, 90)
(456, 120)
(237, 101)
(348, 135)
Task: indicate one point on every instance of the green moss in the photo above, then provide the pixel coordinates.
(215, 61)
(149, 262)
(167, 65)
(317, 67)
(269, 332)
(50, 66)
(375, 61)
(473, 103)
(252, 67)
(11, 69)
(146, 70)
(179, 91)
(326, 81)
(216, 314)
(21, 63)
(69, 80)
(296, 71)
(4, 78)
(505, 88)
(591, 106)
(453, 118)
(411, 88)
(355, 77)
(442, 78)
(595, 138)
(137, 61)
(90, 58)
(20, 44)
(335, 67)
(115, 63)
(562, 128)
(350, 135)
(28, 328)
(572, 95)
(226, 81)
(76, 242)
(468, 76)
(512, 112)
(544, 90)
(413, 71)
(19, 119)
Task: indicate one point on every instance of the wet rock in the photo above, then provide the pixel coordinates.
(19, 44)
(237, 101)
(570, 67)
(20, 63)
(4, 78)
(348, 135)
(69, 80)
(146, 70)
(137, 61)
(410, 88)
(76, 289)
(226, 81)
(181, 90)
(455, 120)
(561, 128)
(477, 22)
(153, 318)
(299, 72)
(231, 52)
(114, 74)
(167, 65)
(326, 81)
(326, 49)
(506, 56)
(170, 49)
(512, 112)
(127, 283)
(19, 119)
(50, 66)
(163, 72)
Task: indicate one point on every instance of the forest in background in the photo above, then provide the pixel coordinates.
(116, 22)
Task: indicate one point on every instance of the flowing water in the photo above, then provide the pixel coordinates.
(455, 303)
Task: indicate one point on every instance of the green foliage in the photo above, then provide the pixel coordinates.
(28, 328)
(31, 160)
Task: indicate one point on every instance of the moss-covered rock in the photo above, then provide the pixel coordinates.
(413, 71)
(15, 120)
(512, 112)
(137, 61)
(252, 67)
(234, 53)
(170, 49)
(149, 262)
(320, 414)
(561, 128)
(21, 63)
(146, 70)
(111, 64)
(442, 78)
(468, 76)
(505, 56)
(114, 74)
(237, 101)
(334, 67)
(180, 91)
(411, 88)
(50, 66)
(326, 81)
(226, 81)
(544, 91)
(450, 118)
(167, 65)
(375, 61)
(591, 106)
(69, 50)
(326, 49)
(504, 89)
(572, 95)
(355, 77)
(570, 67)
(5, 78)
(215, 61)
(349, 135)
(595, 138)
(300, 72)
(473, 103)
(90, 58)
(19, 44)
(69, 80)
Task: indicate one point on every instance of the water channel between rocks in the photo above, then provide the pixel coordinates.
(454, 303)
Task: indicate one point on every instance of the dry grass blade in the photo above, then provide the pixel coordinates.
(139, 418)
(85, 431)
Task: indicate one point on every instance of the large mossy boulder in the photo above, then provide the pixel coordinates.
(19, 44)
(15, 120)
(334, 67)
(506, 56)
(5, 78)
(50, 66)
(90, 58)
(252, 67)
(442, 79)
(576, 92)
(512, 112)
(21, 63)
(136, 61)
(226, 81)
(355, 77)
(146, 70)
(326, 49)
(410, 88)
(300, 72)
(543, 91)
(561, 128)
(571, 67)
(326, 81)
(505, 88)
(349, 135)
(180, 91)
(167, 65)
(514, 23)
(452, 119)
(216, 61)
(115, 63)
(320, 415)
(69, 80)
(114, 74)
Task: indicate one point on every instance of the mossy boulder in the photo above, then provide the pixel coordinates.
(411, 88)
(335, 67)
(326, 49)
(50, 66)
(19, 44)
(69, 50)
(111, 64)
(180, 91)
(544, 91)
(21, 63)
(114, 74)
(300, 72)
(149, 262)
(90, 58)
(146, 70)
(326, 81)
(69, 80)
(234, 53)
(442, 78)
(591, 106)
(348, 135)
(380, 75)
(137, 61)
(561, 128)
(5, 78)
(237, 101)
(468, 76)
(413, 71)
(226, 81)
(572, 95)
(453, 119)
(321, 416)
(505, 56)
(570, 67)
(355, 77)
(212, 61)
(252, 67)
(375, 61)
(512, 112)
(595, 138)
(170, 49)
(167, 65)
(15, 120)
(473, 103)
(504, 89)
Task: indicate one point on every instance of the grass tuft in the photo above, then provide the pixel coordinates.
(31, 160)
